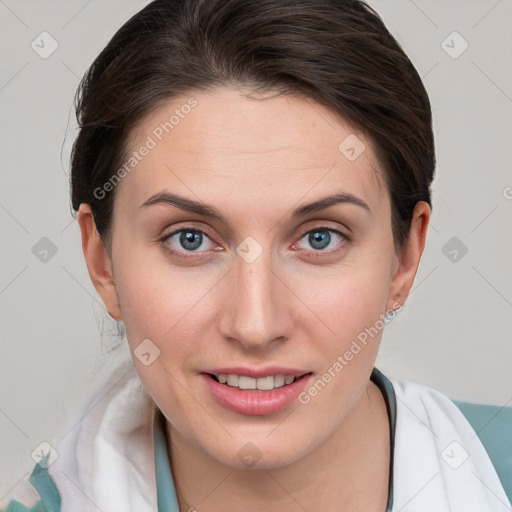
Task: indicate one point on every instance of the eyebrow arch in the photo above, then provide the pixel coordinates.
(326, 202)
(205, 210)
(185, 204)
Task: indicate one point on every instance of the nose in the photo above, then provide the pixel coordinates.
(257, 310)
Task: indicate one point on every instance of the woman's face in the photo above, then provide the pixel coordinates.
(225, 259)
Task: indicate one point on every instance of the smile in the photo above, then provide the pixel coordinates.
(258, 395)
(261, 383)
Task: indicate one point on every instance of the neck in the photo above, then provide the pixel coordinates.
(351, 468)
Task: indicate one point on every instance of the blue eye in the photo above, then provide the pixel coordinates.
(320, 238)
(187, 239)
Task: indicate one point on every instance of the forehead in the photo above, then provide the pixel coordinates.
(228, 141)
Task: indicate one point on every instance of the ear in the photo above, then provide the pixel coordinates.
(408, 259)
(98, 261)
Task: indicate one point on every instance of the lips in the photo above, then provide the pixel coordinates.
(255, 391)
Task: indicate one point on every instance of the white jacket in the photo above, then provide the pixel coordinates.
(106, 461)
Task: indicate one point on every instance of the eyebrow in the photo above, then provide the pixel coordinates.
(189, 205)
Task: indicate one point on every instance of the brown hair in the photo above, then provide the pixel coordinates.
(336, 52)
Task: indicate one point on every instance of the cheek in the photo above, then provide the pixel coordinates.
(158, 306)
(350, 308)
(171, 306)
(351, 299)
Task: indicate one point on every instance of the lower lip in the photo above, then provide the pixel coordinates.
(253, 402)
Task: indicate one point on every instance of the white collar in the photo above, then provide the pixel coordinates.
(440, 463)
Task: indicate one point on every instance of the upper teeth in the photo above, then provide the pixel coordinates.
(262, 383)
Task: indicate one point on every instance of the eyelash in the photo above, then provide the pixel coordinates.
(319, 253)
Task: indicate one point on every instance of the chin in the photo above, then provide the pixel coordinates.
(256, 452)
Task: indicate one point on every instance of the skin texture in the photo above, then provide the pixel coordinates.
(256, 158)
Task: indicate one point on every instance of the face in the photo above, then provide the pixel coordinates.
(220, 267)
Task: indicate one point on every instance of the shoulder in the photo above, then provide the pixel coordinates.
(443, 435)
(432, 407)
(493, 426)
(107, 437)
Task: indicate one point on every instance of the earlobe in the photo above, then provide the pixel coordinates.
(409, 258)
(98, 261)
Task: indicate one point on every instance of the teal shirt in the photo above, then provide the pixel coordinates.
(45, 486)
(493, 425)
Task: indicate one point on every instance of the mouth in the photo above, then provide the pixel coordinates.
(265, 392)
(247, 383)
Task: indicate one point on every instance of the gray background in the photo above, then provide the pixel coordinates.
(455, 332)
